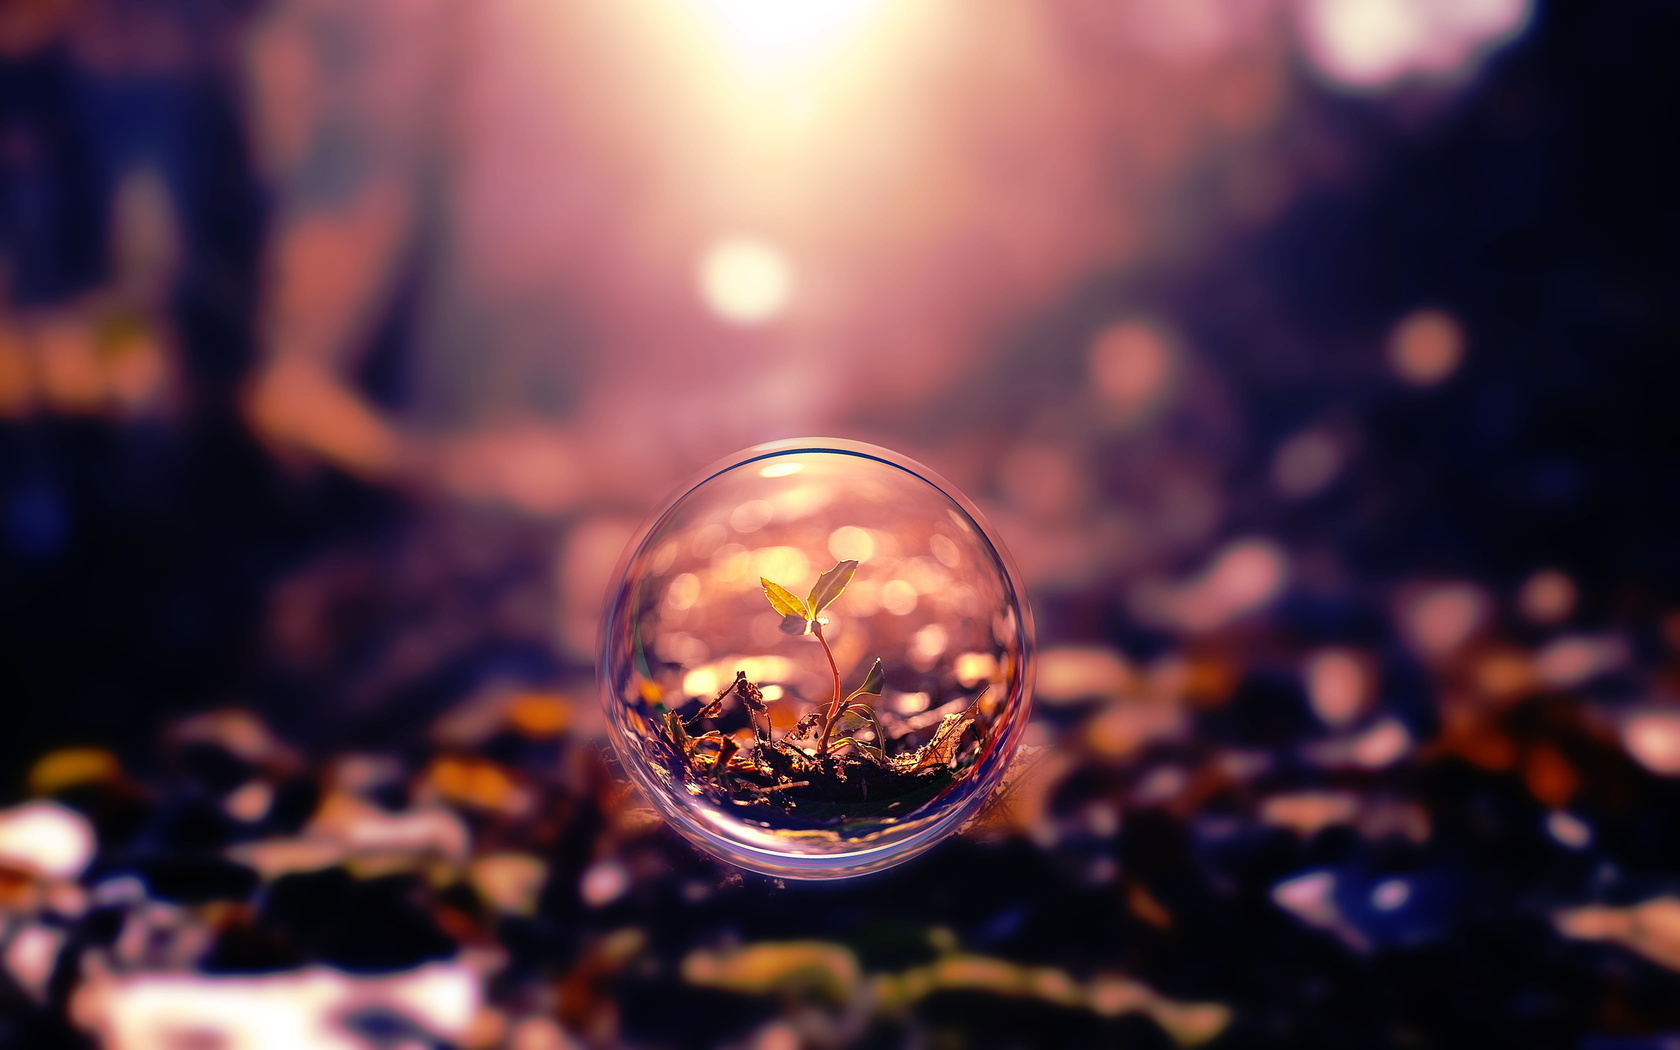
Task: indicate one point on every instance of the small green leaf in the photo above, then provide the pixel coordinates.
(869, 751)
(830, 584)
(795, 625)
(858, 715)
(784, 601)
(867, 714)
(872, 683)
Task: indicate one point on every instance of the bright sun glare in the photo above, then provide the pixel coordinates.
(783, 33)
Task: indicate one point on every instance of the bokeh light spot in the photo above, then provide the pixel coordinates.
(1370, 44)
(927, 644)
(1337, 686)
(1426, 348)
(1132, 365)
(47, 838)
(1653, 739)
(849, 541)
(1437, 619)
(745, 281)
(684, 592)
(1547, 597)
(603, 883)
(1306, 463)
(752, 515)
(1391, 895)
(899, 597)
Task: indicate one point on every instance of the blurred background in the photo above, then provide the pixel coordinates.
(1314, 358)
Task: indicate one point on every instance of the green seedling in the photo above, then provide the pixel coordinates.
(815, 785)
(802, 615)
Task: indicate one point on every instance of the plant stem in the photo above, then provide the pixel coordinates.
(833, 705)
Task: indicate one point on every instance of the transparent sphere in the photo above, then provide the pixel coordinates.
(816, 659)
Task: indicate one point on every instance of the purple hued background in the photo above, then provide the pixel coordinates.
(1315, 359)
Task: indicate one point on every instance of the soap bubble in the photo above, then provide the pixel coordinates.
(749, 592)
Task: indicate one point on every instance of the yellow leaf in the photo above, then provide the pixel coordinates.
(784, 601)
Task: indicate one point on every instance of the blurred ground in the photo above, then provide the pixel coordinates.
(1315, 359)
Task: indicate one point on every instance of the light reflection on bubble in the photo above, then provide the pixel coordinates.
(802, 785)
